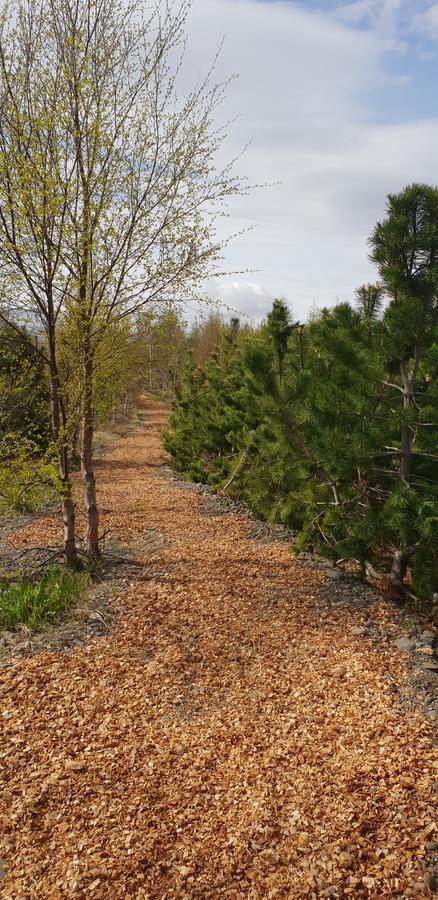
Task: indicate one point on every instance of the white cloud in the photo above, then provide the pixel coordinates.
(427, 21)
(356, 12)
(391, 19)
(242, 297)
(306, 79)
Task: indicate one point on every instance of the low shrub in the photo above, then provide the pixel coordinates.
(28, 476)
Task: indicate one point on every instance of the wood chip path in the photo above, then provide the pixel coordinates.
(228, 739)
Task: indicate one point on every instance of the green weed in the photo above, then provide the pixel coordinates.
(40, 603)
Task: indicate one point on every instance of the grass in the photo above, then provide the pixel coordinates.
(35, 604)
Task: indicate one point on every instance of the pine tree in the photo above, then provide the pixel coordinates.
(331, 428)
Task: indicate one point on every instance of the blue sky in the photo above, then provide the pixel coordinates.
(340, 103)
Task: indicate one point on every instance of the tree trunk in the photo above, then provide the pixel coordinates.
(150, 367)
(406, 430)
(75, 456)
(407, 436)
(59, 435)
(92, 514)
(398, 569)
(401, 559)
(86, 311)
(281, 356)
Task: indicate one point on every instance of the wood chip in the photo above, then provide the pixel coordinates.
(223, 740)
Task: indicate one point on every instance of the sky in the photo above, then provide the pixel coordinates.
(339, 104)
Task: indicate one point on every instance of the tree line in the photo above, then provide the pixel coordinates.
(331, 427)
(145, 353)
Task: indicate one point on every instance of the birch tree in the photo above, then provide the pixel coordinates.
(108, 184)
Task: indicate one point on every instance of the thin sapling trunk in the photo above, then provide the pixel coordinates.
(91, 510)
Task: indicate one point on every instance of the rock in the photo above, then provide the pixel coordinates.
(358, 631)
(427, 638)
(346, 860)
(431, 882)
(404, 644)
(329, 892)
(8, 636)
(431, 845)
(334, 574)
(431, 666)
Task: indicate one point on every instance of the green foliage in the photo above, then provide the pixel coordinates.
(405, 244)
(28, 476)
(280, 327)
(306, 428)
(369, 300)
(40, 603)
(23, 388)
(161, 347)
(205, 448)
(117, 374)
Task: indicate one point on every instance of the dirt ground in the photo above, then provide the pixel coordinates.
(230, 737)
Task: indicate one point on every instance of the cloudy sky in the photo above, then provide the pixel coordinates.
(340, 103)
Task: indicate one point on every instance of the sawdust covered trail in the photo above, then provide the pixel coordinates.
(230, 738)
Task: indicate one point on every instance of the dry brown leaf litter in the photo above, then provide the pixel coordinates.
(230, 739)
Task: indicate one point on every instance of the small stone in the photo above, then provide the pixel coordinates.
(404, 644)
(358, 631)
(346, 860)
(431, 882)
(329, 892)
(334, 573)
(427, 638)
(431, 845)
(431, 666)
